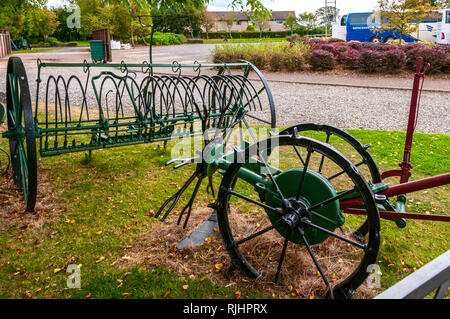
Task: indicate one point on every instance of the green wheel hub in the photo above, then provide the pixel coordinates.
(318, 189)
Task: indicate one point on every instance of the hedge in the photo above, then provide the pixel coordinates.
(256, 34)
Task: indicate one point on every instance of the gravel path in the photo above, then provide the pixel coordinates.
(340, 106)
(359, 108)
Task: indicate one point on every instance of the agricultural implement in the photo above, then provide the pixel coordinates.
(284, 188)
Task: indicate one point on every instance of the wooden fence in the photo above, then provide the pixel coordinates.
(5, 45)
(104, 35)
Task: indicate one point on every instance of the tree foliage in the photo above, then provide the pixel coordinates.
(307, 19)
(290, 23)
(402, 15)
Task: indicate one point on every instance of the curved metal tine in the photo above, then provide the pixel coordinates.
(155, 81)
(233, 94)
(247, 84)
(78, 81)
(189, 205)
(233, 91)
(189, 81)
(50, 79)
(305, 242)
(166, 101)
(283, 253)
(172, 96)
(175, 197)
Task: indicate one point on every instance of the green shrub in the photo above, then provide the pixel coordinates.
(52, 41)
(194, 40)
(250, 28)
(167, 38)
(272, 56)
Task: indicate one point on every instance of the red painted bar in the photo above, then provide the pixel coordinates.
(404, 188)
(389, 214)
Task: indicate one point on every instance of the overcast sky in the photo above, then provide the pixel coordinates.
(344, 6)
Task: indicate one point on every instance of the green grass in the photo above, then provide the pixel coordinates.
(83, 43)
(102, 209)
(37, 50)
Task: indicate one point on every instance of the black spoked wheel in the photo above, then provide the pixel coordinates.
(352, 149)
(22, 142)
(292, 230)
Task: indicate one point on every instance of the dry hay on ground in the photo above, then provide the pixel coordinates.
(299, 277)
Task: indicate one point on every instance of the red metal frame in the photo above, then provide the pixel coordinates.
(404, 173)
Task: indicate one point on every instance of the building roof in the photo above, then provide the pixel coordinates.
(241, 16)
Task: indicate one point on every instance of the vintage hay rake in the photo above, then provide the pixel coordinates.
(310, 196)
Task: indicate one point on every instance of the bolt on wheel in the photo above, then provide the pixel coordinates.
(292, 229)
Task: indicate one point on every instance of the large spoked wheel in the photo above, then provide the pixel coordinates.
(22, 142)
(296, 205)
(357, 153)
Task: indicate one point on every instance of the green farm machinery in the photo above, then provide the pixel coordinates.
(280, 189)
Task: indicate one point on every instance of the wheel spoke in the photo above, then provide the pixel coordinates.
(263, 231)
(322, 274)
(332, 199)
(302, 180)
(283, 252)
(253, 201)
(299, 155)
(342, 172)
(334, 234)
(323, 156)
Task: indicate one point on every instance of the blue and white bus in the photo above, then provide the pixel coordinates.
(359, 26)
(443, 28)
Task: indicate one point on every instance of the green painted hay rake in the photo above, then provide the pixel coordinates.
(285, 188)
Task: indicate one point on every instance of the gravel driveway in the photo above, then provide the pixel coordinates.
(359, 108)
(341, 106)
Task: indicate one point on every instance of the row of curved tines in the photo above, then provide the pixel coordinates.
(156, 100)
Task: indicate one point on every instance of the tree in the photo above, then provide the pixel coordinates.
(48, 21)
(229, 21)
(290, 23)
(443, 4)
(261, 24)
(13, 14)
(308, 20)
(402, 15)
(209, 21)
(326, 15)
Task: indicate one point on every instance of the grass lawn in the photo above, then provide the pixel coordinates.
(37, 50)
(98, 215)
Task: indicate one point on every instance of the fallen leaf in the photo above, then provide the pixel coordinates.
(100, 260)
(218, 266)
